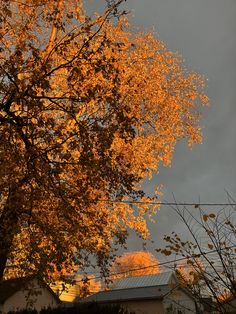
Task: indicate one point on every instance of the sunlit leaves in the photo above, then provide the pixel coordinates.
(88, 111)
(136, 263)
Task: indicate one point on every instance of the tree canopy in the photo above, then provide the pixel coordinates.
(137, 263)
(88, 110)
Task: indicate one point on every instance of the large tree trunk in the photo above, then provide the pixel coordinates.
(8, 229)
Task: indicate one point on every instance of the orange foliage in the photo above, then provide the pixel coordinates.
(88, 110)
(134, 264)
(225, 296)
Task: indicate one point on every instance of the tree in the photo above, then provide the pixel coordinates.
(88, 110)
(134, 264)
(209, 254)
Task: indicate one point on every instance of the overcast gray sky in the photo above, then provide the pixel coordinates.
(203, 32)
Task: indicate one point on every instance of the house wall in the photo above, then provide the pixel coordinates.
(144, 307)
(35, 297)
(178, 302)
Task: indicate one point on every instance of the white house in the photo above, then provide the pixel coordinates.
(26, 293)
(150, 294)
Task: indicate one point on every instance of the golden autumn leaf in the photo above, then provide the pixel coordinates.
(210, 246)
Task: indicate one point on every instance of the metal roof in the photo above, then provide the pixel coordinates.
(144, 281)
(139, 287)
(129, 294)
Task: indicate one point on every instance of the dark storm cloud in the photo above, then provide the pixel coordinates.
(203, 32)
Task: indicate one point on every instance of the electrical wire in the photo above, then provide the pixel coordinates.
(157, 264)
(196, 204)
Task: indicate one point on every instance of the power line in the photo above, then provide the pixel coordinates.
(158, 264)
(196, 204)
